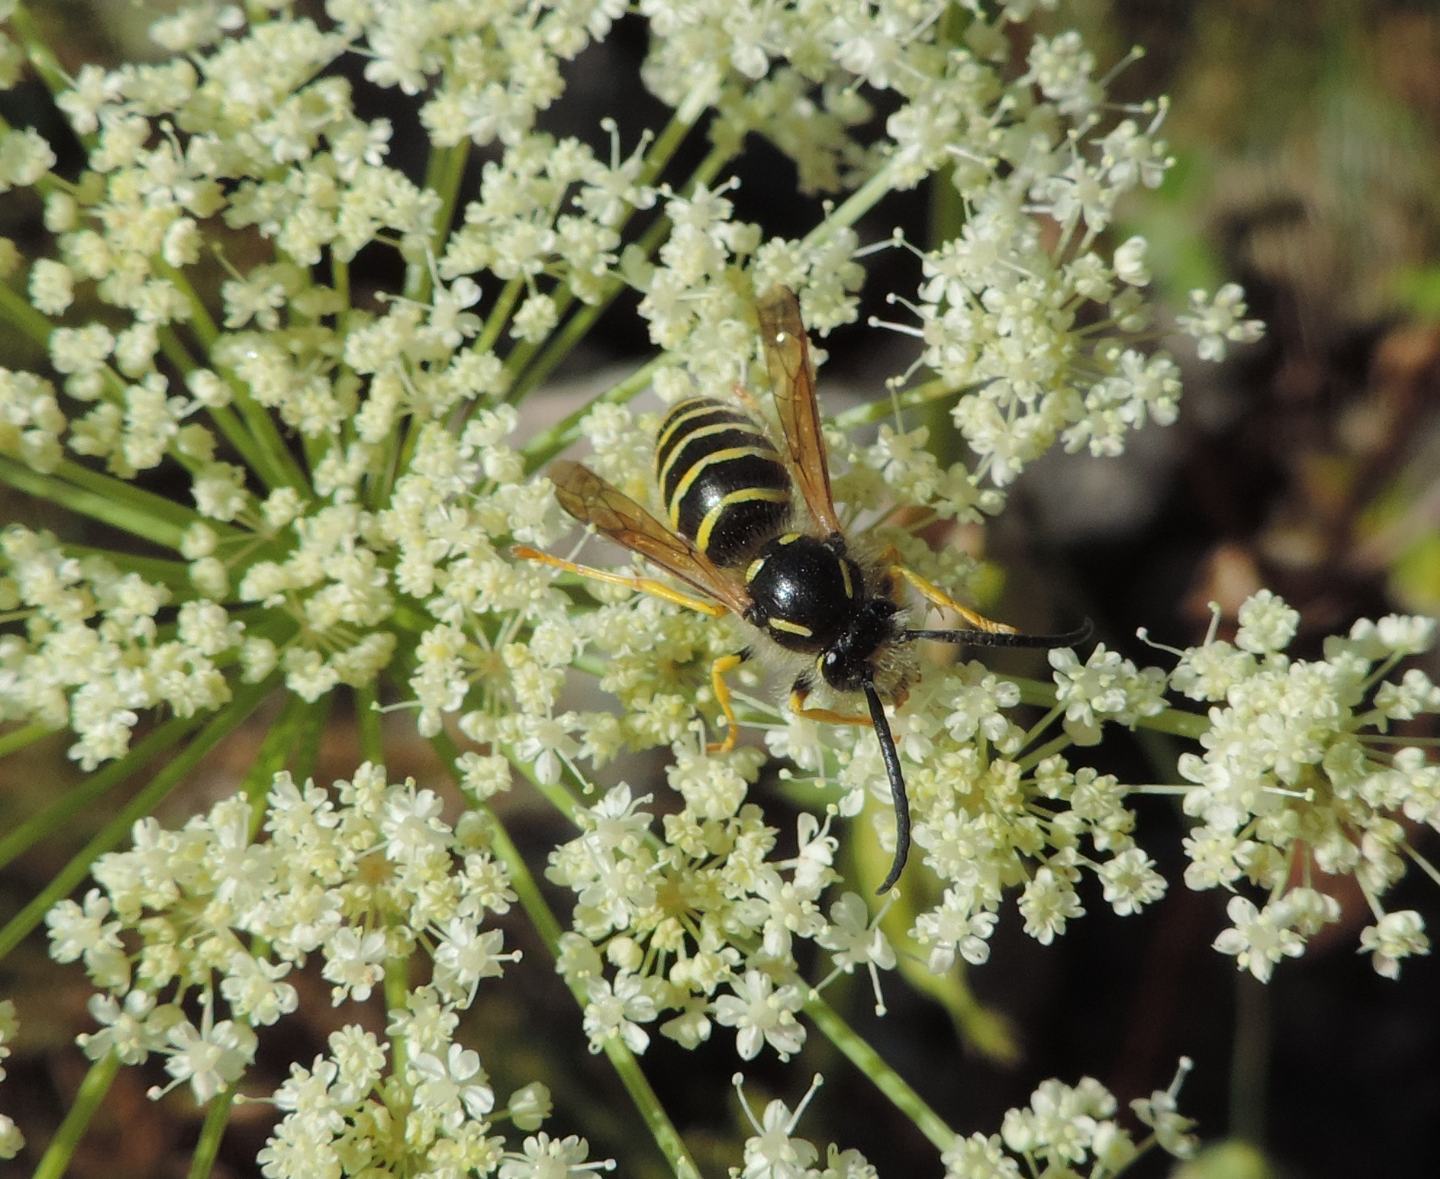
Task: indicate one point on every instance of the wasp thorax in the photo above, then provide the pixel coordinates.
(805, 591)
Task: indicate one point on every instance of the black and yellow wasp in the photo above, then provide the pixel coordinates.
(831, 608)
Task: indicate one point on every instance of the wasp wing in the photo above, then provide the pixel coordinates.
(792, 377)
(593, 500)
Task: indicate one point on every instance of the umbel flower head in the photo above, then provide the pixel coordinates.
(276, 399)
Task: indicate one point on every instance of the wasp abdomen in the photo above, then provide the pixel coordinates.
(721, 479)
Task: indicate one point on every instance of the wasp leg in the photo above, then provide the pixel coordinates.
(718, 671)
(645, 585)
(933, 593)
(801, 692)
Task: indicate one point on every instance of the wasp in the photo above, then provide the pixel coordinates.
(831, 607)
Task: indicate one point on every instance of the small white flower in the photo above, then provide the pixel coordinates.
(1259, 938)
(452, 1088)
(761, 1013)
(1217, 321)
(1395, 937)
(209, 1057)
(1047, 904)
(1131, 881)
(773, 1151)
(619, 1010)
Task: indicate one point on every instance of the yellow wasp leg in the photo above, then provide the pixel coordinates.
(645, 585)
(718, 671)
(933, 593)
(798, 696)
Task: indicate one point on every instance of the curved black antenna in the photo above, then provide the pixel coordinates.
(891, 758)
(1000, 638)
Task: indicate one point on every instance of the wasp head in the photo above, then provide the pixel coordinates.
(848, 663)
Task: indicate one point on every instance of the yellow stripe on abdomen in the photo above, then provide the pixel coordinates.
(697, 468)
(744, 496)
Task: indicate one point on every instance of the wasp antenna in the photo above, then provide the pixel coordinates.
(1000, 638)
(891, 758)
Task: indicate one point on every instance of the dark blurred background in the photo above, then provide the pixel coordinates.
(1307, 146)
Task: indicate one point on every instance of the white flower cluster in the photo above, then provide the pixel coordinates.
(12, 1141)
(305, 573)
(99, 654)
(1071, 1130)
(700, 929)
(344, 483)
(365, 876)
(1300, 776)
(697, 927)
(775, 1152)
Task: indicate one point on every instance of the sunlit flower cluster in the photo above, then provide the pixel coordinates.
(363, 877)
(699, 929)
(286, 371)
(1071, 1129)
(1301, 780)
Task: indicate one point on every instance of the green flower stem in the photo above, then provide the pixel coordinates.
(621, 1059)
(157, 510)
(112, 501)
(499, 315)
(291, 735)
(340, 281)
(17, 309)
(396, 988)
(225, 421)
(313, 719)
(367, 720)
(548, 443)
(217, 1117)
(82, 794)
(557, 796)
(1040, 693)
(1422, 863)
(45, 62)
(202, 323)
(246, 699)
(575, 329)
(579, 325)
(1250, 1060)
(22, 738)
(443, 172)
(56, 1160)
(276, 465)
(1051, 747)
(855, 206)
(874, 1066)
(174, 575)
(413, 621)
(1034, 731)
(273, 462)
(1178, 722)
(127, 512)
(926, 393)
(523, 353)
